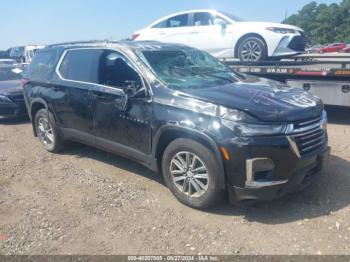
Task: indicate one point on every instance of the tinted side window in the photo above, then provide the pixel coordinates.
(203, 19)
(116, 71)
(80, 65)
(178, 21)
(42, 66)
(161, 24)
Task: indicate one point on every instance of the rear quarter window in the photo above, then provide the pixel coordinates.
(42, 66)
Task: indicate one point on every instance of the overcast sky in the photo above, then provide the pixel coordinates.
(50, 21)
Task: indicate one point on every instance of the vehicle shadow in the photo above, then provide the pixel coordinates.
(80, 150)
(338, 115)
(329, 193)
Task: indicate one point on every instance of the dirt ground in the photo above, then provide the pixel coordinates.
(85, 201)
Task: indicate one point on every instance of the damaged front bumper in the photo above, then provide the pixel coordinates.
(290, 45)
(260, 191)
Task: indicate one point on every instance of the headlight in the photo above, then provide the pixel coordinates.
(5, 100)
(281, 30)
(235, 115)
(242, 129)
(245, 125)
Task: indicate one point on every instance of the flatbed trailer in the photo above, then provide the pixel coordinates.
(325, 76)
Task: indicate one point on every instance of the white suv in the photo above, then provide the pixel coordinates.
(226, 36)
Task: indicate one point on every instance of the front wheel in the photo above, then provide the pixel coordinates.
(252, 49)
(191, 172)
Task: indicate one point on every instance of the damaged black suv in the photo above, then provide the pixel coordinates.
(181, 112)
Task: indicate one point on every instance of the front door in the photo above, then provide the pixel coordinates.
(121, 108)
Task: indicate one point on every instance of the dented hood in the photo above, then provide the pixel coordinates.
(265, 99)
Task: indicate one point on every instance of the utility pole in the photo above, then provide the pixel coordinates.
(286, 15)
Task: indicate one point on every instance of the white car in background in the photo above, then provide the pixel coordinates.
(226, 36)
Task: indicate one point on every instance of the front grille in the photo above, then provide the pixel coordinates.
(306, 124)
(298, 43)
(309, 136)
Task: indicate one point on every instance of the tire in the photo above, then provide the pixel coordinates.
(248, 45)
(47, 132)
(211, 192)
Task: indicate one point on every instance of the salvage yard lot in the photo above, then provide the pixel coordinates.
(85, 201)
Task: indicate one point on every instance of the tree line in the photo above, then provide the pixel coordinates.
(324, 23)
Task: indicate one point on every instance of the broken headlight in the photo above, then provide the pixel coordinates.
(245, 125)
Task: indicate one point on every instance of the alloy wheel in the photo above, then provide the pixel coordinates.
(251, 51)
(189, 174)
(45, 131)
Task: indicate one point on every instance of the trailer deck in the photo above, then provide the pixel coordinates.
(327, 76)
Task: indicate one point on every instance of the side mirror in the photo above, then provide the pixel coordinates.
(134, 89)
(221, 22)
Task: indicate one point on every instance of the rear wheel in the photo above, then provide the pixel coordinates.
(252, 49)
(191, 173)
(47, 131)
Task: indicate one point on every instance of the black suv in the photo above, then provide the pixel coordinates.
(182, 112)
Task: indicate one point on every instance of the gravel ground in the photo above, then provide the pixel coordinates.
(85, 201)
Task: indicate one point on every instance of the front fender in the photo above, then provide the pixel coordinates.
(184, 131)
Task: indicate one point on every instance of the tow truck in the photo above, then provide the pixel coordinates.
(326, 76)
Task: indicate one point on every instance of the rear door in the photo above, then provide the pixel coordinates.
(122, 115)
(70, 97)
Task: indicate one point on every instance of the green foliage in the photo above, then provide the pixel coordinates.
(324, 23)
